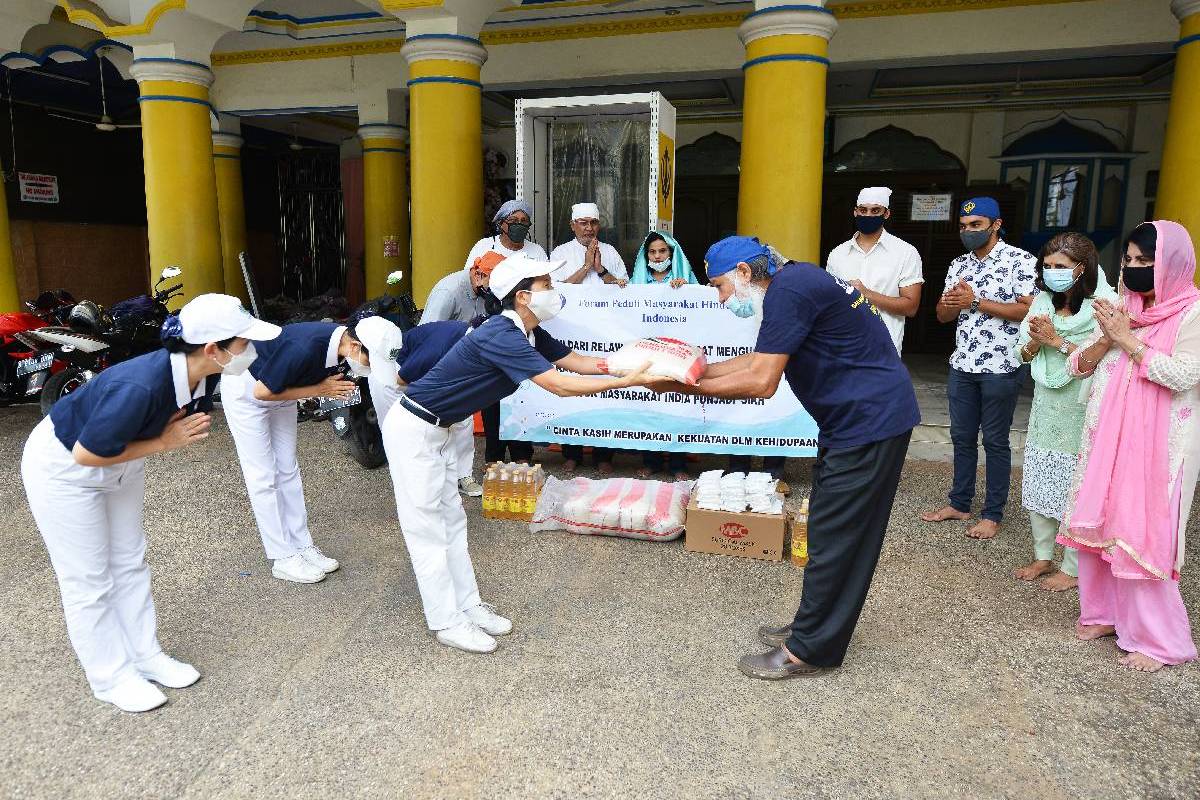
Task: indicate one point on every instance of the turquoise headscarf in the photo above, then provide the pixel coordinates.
(680, 267)
(1049, 367)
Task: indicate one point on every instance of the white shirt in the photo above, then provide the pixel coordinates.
(887, 268)
(489, 243)
(985, 344)
(573, 253)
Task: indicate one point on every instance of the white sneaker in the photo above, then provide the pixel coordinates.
(297, 570)
(313, 555)
(133, 695)
(467, 636)
(470, 487)
(167, 671)
(484, 615)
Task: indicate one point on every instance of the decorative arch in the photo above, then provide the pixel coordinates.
(711, 154)
(893, 149)
(1061, 136)
(1108, 139)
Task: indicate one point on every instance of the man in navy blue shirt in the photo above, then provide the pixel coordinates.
(837, 355)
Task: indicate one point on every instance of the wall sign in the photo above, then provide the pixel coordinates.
(931, 207)
(38, 188)
(391, 246)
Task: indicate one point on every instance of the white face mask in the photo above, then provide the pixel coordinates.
(357, 368)
(239, 362)
(661, 266)
(546, 304)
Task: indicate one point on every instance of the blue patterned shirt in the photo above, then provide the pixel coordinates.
(985, 344)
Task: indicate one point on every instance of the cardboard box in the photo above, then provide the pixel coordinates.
(747, 534)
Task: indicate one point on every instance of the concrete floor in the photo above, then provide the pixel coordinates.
(619, 681)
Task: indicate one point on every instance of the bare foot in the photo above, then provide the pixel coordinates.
(644, 473)
(569, 465)
(605, 467)
(984, 529)
(944, 514)
(1087, 633)
(1059, 582)
(1140, 662)
(1034, 571)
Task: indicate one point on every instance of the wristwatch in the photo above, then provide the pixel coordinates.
(603, 271)
(1065, 348)
(975, 305)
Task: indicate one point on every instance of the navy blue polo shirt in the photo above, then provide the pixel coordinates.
(842, 365)
(127, 402)
(484, 367)
(296, 357)
(425, 345)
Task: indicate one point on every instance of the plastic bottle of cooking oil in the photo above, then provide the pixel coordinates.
(800, 535)
(529, 501)
(503, 484)
(489, 492)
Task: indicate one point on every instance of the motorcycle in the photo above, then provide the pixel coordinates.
(94, 339)
(24, 366)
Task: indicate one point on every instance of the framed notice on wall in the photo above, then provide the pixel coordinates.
(931, 207)
(38, 188)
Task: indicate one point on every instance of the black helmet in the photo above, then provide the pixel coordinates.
(85, 317)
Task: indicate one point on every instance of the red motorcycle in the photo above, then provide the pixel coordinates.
(23, 369)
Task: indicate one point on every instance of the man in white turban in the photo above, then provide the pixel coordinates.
(884, 268)
(589, 260)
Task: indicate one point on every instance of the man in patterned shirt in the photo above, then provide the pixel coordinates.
(988, 291)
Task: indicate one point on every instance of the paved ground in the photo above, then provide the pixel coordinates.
(619, 682)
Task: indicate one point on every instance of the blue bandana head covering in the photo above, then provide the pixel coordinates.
(511, 207)
(980, 207)
(680, 266)
(733, 250)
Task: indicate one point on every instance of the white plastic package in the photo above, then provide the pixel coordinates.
(648, 510)
(669, 358)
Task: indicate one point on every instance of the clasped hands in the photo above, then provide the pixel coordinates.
(959, 297)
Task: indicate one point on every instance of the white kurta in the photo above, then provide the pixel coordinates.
(573, 253)
(886, 268)
(492, 244)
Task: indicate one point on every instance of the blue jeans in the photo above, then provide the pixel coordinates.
(986, 401)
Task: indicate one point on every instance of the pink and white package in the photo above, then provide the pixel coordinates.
(649, 510)
(669, 358)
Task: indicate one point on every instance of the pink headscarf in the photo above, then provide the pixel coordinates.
(1122, 507)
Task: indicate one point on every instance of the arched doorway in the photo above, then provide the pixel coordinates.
(706, 194)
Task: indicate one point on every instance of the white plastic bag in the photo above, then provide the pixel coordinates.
(669, 358)
(649, 510)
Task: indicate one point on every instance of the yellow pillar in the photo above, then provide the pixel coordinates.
(10, 299)
(446, 153)
(1180, 173)
(181, 191)
(385, 206)
(231, 210)
(783, 127)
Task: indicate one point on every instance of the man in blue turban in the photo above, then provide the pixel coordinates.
(830, 343)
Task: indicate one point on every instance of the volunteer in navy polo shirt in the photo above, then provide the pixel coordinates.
(485, 366)
(308, 359)
(835, 351)
(85, 476)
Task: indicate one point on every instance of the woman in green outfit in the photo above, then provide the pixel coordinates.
(1059, 320)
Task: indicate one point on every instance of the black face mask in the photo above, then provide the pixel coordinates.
(479, 290)
(517, 231)
(1139, 279)
(868, 225)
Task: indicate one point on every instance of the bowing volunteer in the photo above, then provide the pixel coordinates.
(84, 474)
(306, 360)
(483, 367)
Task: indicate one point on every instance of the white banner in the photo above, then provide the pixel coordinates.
(597, 321)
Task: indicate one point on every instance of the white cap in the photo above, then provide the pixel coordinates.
(585, 211)
(875, 196)
(383, 340)
(516, 268)
(217, 317)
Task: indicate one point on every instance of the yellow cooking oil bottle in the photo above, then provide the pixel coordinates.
(489, 491)
(800, 535)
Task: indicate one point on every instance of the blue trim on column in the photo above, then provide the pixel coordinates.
(445, 79)
(176, 99)
(455, 36)
(160, 60)
(275, 15)
(1195, 37)
(786, 57)
(226, 155)
(773, 9)
(384, 149)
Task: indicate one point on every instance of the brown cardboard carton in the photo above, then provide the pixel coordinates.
(746, 534)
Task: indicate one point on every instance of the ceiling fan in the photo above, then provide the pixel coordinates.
(104, 123)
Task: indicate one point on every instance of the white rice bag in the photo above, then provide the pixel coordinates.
(669, 358)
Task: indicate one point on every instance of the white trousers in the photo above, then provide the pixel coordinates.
(265, 435)
(423, 464)
(462, 433)
(91, 521)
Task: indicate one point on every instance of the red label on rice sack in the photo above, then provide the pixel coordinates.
(669, 358)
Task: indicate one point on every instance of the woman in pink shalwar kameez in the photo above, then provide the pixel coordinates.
(1140, 456)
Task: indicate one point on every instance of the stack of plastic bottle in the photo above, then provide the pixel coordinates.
(510, 490)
